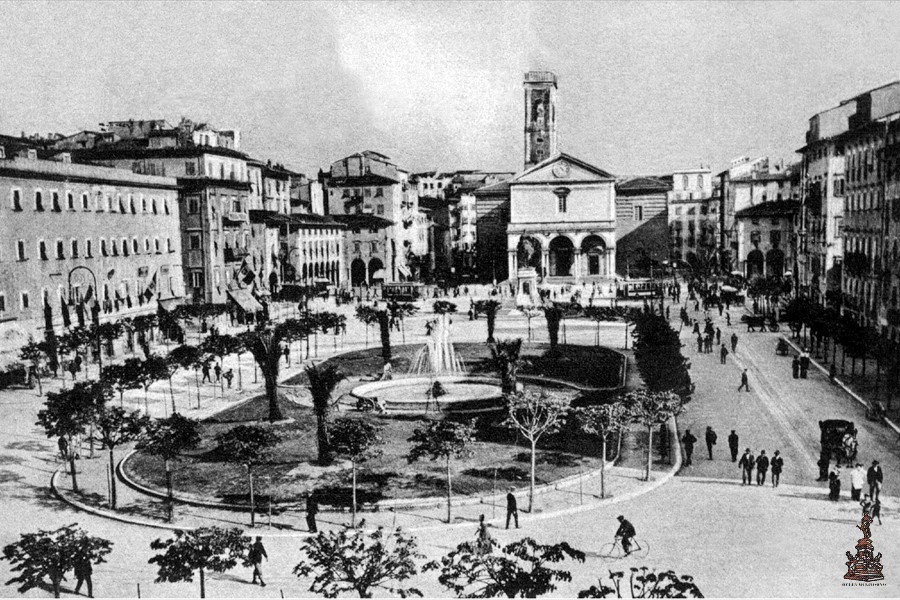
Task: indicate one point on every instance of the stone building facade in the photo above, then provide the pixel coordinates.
(74, 235)
(642, 227)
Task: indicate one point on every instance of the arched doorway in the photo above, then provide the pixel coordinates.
(594, 249)
(775, 262)
(376, 271)
(562, 256)
(755, 263)
(357, 272)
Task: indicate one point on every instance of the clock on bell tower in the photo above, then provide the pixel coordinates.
(541, 138)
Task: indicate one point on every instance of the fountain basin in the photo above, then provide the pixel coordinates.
(410, 395)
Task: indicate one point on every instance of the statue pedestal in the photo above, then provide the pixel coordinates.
(526, 287)
(866, 565)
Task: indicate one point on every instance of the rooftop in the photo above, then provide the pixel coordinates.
(363, 221)
(785, 208)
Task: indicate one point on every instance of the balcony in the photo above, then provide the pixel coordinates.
(233, 255)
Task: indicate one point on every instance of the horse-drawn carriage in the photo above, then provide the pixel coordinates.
(761, 322)
(839, 443)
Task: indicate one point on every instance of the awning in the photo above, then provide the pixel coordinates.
(403, 269)
(169, 303)
(245, 300)
(379, 274)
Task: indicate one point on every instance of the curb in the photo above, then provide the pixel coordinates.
(842, 385)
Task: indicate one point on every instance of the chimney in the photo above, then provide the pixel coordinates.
(66, 157)
(32, 154)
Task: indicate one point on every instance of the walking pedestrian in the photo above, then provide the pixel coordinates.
(218, 372)
(63, 445)
(312, 509)
(746, 464)
(699, 343)
(718, 336)
(483, 541)
(745, 383)
(762, 467)
(795, 367)
(804, 364)
(688, 439)
(857, 481)
(777, 465)
(875, 477)
(696, 327)
(287, 354)
(834, 485)
(723, 354)
(728, 319)
(733, 445)
(711, 439)
(229, 375)
(256, 555)
(721, 309)
(709, 343)
(512, 508)
(734, 341)
(83, 572)
(876, 510)
(205, 370)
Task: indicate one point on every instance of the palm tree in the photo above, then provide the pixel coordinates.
(322, 381)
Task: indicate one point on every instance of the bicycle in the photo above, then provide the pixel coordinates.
(614, 551)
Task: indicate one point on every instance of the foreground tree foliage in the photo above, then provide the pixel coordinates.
(248, 445)
(488, 308)
(644, 583)
(385, 317)
(168, 439)
(45, 557)
(205, 549)
(442, 440)
(518, 570)
(534, 413)
(507, 357)
(354, 561)
(657, 351)
(358, 441)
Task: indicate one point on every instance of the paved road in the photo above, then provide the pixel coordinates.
(736, 541)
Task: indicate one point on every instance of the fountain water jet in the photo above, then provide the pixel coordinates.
(438, 356)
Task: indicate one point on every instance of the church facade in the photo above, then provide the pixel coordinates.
(562, 226)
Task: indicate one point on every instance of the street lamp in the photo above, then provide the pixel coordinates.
(75, 275)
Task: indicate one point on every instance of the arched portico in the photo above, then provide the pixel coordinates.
(562, 257)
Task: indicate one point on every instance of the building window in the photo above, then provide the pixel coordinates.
(196, 279)
(24, 300)
(374, 247)
(562, 199)
(379, 209)
(85, 202)
(121, 203)
(42, 250)
(88, 249)
(54, 196)
(60, 250)
(838, 226)
(638, 213)
(125, 250)
(677, 211)
(131, 205)
(684, 182)
(70, 200)
(189, 168)
(74, 247)
(103, 251)
(115, 247)
(153, 205)
(356, 247)
(379, 192)
(194, 241)
(775, 238)
(38, 201)
(147, 245)
(20, 250)
(166, 206)
(169, 245)
(2, 303)
(135, 247)
(193, 206)
(156, 245)
(143, 204)
(17, 200)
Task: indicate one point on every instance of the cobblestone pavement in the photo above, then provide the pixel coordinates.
(736, 541)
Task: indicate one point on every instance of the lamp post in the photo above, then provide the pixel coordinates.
(78, 269)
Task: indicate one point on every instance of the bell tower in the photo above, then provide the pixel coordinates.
(541, 138)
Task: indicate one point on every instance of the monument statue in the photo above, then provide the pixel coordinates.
(865, 566)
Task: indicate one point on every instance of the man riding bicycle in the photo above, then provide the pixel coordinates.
(626, 533)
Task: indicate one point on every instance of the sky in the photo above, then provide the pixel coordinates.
(644, 88)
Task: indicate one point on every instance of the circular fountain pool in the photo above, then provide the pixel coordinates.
(413, 395)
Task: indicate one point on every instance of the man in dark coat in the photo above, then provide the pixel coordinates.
(83, 572)
(745, 384)
(875, 477)
(777, 465)
(746, 464)
(688, 439)
(734, 341)
(256, 555)
(512, 508)
(723, 354)
(711, 439)
(733, 445)
(795, 367)
(312, 509)
(762, 467)
(626, 533)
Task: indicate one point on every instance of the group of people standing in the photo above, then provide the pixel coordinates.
(800, 365)
(762, 464)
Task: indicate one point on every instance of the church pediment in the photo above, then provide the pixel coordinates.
(561, 169)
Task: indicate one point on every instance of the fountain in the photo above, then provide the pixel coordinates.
(436, 382)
